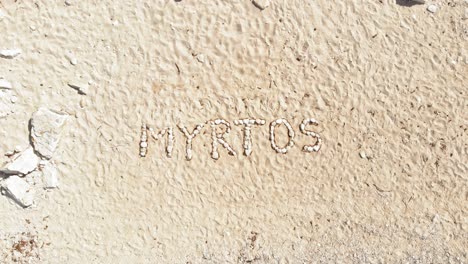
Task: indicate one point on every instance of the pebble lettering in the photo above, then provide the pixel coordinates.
(218, 139)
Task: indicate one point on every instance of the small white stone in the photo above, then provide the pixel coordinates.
(68, 2)
(432, 8)
(144, 144)
(4, 84)
(10, 53)
(201, 58)
(24, 163)
(74, 61)
(261, 4)
(19, 190)
(14, 99)
(363, 155)
(50, 174)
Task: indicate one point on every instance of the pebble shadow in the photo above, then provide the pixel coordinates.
(408, 3)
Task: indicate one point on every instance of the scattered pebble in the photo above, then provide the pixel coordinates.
(201, 58)
(46, 126)
(71, 58)
(261, 4)
(10, 53)
(363, 155)
(4, 84)
(432, 8)
(23, 164)
(19, 190)
(13, 99)
(81, 88)
(68, 2)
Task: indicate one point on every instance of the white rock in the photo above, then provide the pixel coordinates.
(261, 4)
(4, 84)
(432, 8)
(46, 126)
(10, 53)
(81, 88)
(34, 178)
(363, 155)
(50, 174)
(68, 2)
(19, 190)
(73, 61)
(201, 58)
(24, 163)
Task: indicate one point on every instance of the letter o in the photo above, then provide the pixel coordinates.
(290, 144)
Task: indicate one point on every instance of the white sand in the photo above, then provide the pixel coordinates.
(383, 79)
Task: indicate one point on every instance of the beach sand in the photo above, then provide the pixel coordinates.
(387, 82)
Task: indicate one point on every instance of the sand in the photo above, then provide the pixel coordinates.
(387, 82)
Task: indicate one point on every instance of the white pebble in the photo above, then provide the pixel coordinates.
(432, 8)
(261, 4)
(363, 155)
(10, 53)
(4, 84)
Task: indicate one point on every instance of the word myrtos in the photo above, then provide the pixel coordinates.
(218, 138)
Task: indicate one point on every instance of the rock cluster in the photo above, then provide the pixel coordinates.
(46, 127)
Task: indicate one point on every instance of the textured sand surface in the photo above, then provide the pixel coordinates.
(384, 79)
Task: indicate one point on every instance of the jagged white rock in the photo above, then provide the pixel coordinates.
(10, 53)
(46, 127)
(24, 163)
(19, 190)
(4, 84)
